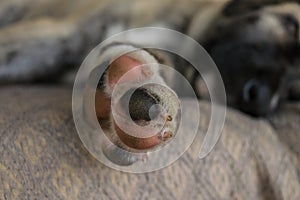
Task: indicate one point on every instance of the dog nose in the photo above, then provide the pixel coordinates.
(292, 25)
(256, 98)
(251, 90)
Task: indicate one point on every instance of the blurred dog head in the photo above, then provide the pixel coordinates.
(255, 51)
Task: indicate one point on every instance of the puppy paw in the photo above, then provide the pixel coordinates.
(153, 109)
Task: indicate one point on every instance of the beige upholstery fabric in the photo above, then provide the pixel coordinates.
(41, 157)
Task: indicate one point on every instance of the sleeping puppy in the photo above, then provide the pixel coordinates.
(257, 53)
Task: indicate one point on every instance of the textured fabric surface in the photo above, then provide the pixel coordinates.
(43, 158)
